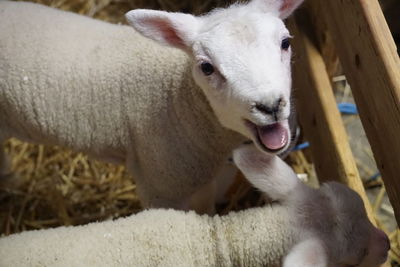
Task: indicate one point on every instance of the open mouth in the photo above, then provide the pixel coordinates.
(272, 137)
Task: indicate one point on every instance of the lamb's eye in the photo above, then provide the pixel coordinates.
(207, 68)
(285, 44)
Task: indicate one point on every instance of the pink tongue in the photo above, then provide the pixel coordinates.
(273, 136)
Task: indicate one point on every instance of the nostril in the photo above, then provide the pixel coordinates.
(279, 102)
(270, 109)
(264, 109)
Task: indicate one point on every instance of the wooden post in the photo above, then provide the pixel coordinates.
(369, 58)
(323, 38)
(320, 117)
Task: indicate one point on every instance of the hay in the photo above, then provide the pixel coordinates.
(53, 186)
(114, 10)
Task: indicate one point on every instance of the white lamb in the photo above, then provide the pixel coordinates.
(172, 117)
(313, 227)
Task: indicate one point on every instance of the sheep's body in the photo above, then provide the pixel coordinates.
(106, 90)
(255, 237)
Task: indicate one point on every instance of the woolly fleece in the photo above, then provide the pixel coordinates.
(104, 89)
(255, 237)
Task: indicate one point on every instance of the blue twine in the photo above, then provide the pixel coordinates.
(347, 108)
(301, 146)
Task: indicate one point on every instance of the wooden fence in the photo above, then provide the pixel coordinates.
(357, 32)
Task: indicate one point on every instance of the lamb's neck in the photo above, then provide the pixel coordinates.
(254, 237)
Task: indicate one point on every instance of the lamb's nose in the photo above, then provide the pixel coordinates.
(270, 109)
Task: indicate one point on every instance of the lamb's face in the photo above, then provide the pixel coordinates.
(241, 58)
(242, 63)
(358, 242)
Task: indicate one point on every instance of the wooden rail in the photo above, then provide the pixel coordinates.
(370, 61)
(319, 115)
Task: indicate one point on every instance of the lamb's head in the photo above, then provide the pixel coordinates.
(241, 60)
(334, 231)
(354, 240)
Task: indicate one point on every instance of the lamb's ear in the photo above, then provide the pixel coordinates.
(174, 29)
(287, 7)
(307, 253)
(266, 172)
(284, 8)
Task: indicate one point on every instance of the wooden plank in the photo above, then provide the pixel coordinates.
(320, 117)
(369, 58)
(323, 38)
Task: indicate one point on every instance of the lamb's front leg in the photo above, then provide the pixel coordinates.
(266, 172)
(161, 192)
(202, 201)
(151, 197)
(174, 178)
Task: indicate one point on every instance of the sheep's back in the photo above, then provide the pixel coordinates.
(71, 80)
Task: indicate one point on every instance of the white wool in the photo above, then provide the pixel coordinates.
(106, 90)
(256, 237)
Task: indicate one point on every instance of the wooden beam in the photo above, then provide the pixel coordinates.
(320, 117)
(323, 38)
(369, 58)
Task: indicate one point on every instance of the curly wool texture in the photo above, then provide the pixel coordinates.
(255, 237)
(104, 89)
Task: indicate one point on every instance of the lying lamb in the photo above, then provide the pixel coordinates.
(313, 227)
(171, 115)
(330, 224)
